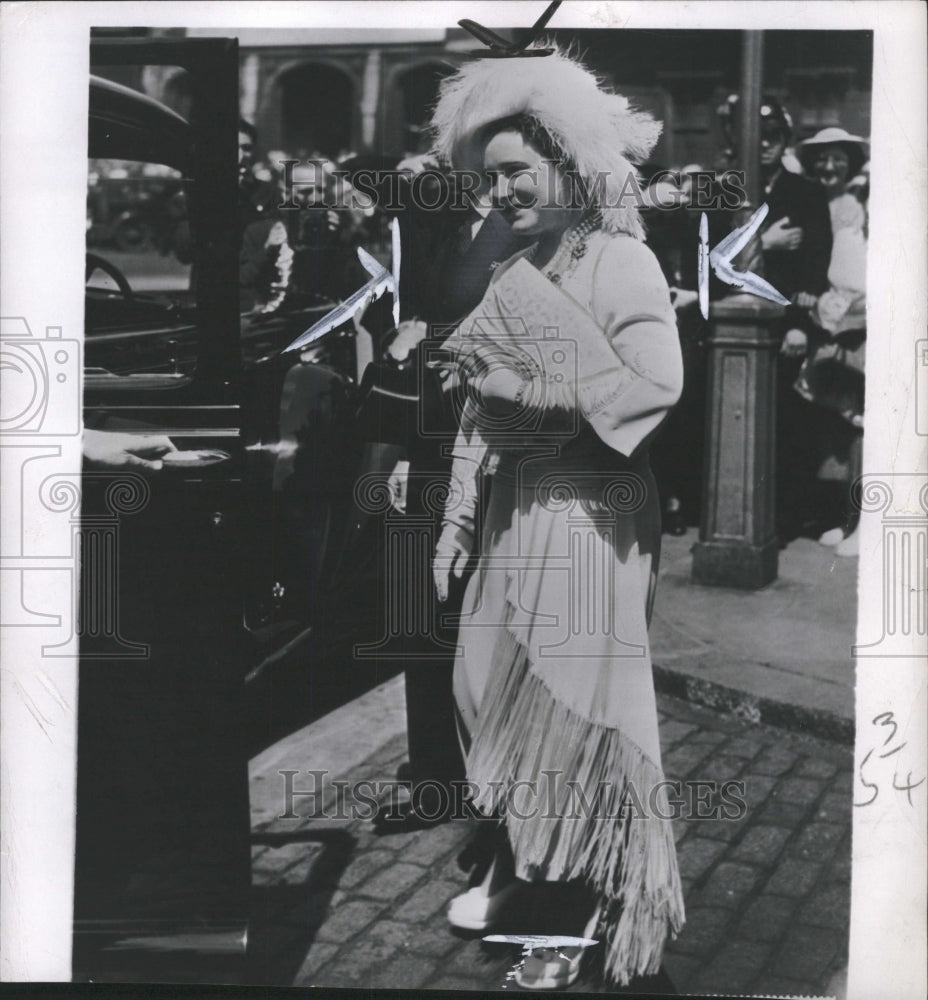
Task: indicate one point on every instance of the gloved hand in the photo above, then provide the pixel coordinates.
(409, 334)
(782, 235)
(795, 344)
(499, 378)
(454, 548)
(399, 478)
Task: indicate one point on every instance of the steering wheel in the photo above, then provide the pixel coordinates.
(96, 263)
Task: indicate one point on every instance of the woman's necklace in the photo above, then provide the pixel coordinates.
(571, 249)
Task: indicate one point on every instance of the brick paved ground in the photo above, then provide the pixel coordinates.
(767, 896)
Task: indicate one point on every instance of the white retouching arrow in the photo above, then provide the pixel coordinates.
(397, 254)
(381, 281)
(530, 942)
(721, 257)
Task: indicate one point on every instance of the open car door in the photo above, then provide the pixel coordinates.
(163, 854)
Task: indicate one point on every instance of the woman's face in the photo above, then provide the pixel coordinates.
(526, 187)
(831, 165)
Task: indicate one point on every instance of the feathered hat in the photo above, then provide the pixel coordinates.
(599, 133)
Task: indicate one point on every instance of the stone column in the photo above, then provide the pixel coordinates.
(752, 73)
(737, 544)
(249, 86)
(370, 98)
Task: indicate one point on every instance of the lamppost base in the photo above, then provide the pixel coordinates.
(735, 564)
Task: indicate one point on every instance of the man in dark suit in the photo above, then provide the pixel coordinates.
(796, 244)
(448, 257)
(796, 237)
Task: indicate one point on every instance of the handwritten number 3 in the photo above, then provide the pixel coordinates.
(886, 719)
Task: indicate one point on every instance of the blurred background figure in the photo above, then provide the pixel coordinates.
(673, 203)
(324, 233)
(269, 168)
(796, 246)
(265, 257)
(832, 374)
(672, 234)
(796, 236)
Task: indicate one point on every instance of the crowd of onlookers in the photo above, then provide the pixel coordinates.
(812, 250)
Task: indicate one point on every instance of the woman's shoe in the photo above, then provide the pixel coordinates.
(832, 537)
(475, 911)
(850, 546)
(549, 968)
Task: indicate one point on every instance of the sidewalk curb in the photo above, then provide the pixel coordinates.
(755, 708)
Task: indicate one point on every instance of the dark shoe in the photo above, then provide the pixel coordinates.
(402, 818)
(430, 804)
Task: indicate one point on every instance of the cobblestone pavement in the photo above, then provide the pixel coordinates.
(767, 895)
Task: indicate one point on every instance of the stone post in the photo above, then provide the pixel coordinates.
(737, 544)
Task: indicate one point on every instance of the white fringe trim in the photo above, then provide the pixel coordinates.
(629, 862)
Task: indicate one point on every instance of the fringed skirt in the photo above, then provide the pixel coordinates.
(554, 689)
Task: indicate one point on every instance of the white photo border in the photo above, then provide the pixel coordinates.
(43, 95)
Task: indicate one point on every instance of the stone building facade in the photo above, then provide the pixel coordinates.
(368, 91)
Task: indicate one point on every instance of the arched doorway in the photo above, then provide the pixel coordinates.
(316, 110)
(418, 91)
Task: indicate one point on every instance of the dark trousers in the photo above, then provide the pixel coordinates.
(677, 452)
(797, 500)
(434, 750)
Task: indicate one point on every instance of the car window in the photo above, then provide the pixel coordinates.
(137, 220)
(139, 292)
(140, 278)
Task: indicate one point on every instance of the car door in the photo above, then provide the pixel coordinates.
(163, 853)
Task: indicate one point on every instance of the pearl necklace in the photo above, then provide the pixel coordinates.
(571, 249)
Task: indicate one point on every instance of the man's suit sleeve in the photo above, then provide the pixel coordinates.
(816, 244)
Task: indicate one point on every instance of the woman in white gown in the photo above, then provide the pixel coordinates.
(567, 369)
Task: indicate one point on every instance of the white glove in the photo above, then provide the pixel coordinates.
(408, 335)
(397, 482)
(795, 344)
(453, 550)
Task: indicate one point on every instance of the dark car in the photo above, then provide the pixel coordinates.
(207, 572)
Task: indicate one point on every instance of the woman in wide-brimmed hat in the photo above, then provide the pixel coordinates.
(832, 375)
(568, 367)
(848, 154)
